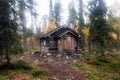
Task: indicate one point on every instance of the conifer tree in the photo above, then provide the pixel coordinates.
(81, 24)
(57, 12)
(9, 38)
(99, 37)
(72, 18)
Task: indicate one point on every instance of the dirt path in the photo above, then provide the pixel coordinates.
(57, 68)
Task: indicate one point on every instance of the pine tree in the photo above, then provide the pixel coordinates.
(23, 7)
(51, 13)
(57, 12)
(31, 6)
(9, 38)
(81, 24)
(22, 18)
(72, 14)
(51, 21)
(80, 14)
(99, 37)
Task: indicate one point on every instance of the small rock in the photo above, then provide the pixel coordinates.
(59, 64)
(59, 55)
(73, 78)
(74, 61)
(85, 75)
(32, 52)
(21, 57)
(65, 62)
(55, 78)
(48, 60)
(45, 56)
(36, 61)
(67, 57)
(49, 54)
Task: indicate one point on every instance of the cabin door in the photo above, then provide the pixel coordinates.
(66, 44)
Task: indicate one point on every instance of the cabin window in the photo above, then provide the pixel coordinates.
(44, 43)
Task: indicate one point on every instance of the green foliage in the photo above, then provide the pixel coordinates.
(20, 65)
(114, 22)
(39, 74)
(29, 32)
(99, 29)
(115, 66)
(17, 48)
(14, 69)
(57, 12)
(72, 14)
(81, 18)
(51, 8)
(100, 68)
(39, 33)
(81, 24)
(99, 61)
(20, 68)
(8, 28)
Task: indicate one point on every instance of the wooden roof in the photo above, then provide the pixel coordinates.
(59, 32)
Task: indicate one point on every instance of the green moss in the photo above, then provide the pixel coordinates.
(22, 65)
(39, 74)
(19, 68)
(100, 68)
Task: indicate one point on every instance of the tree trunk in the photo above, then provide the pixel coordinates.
(1, 59)
(102, 53)
(89, 47)
(24, 38)
(23, 22)
(7, 56)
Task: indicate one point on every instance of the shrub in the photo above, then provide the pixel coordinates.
(19, 65)
(22, 65)
(39, 74)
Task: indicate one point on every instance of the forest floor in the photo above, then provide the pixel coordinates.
(56, 67)
(30, 66)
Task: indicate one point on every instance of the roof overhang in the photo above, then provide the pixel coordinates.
(69, 32)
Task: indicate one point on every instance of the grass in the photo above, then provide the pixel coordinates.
(21, 70)
(100, 68)
(39, 74)
(94, 68)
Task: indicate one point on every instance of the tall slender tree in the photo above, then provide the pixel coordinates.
(57, 12)
(51, 19)
(51, 12)
(31, 6)
(9, 38)
(72, 14)
(22, 17)
(23, 7)
(81, 23)
(80, 14)
(114, 22)
(99, 37)
(51, 8)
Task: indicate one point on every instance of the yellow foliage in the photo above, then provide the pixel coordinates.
(114, 35)
(85, 31)
(51, 26)
(76, 29)
(31, 38)
(32, 43)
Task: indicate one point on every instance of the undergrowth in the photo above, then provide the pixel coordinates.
(100, 68)
(21, 70)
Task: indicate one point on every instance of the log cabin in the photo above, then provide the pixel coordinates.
(60, 40)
